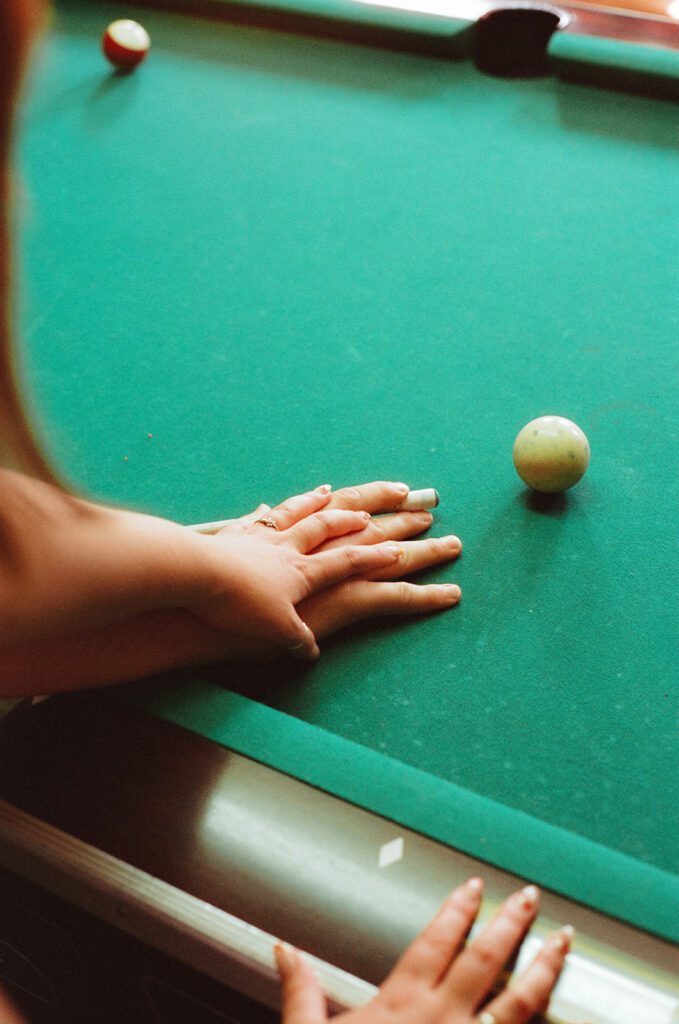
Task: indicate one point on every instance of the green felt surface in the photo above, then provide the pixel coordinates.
(293, 261)
(593, 873)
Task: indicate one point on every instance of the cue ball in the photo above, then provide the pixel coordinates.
(551, 454)
(125, 43)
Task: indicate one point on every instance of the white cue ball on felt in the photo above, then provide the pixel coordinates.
(125, 43)
(551, 454)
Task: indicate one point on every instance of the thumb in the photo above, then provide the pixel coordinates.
(304, 645)
(303, 1001)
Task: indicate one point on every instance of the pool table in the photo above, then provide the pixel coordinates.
(346, 241)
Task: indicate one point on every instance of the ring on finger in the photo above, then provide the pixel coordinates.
(268, 521)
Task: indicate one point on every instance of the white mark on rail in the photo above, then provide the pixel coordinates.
(391, 852)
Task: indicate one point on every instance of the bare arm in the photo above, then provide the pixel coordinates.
(67, 565)
(69, 568)
(8, 1012)
(242, 614)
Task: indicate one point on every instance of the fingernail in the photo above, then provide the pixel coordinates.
(365, 515)
(324, 489)
(455, 544)
(529, 897)
(402, 488)
(395, 549)
(562, 939)
(451, 592)
(285, 958)
(475, 886)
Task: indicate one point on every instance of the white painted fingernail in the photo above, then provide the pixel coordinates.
(427, 498)
(562, 939)
(529, 897)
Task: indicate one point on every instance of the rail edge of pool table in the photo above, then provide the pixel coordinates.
(612, 882)
(259, 859)
(633, 46)
(663, 72)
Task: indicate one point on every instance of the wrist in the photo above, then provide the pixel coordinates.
(175, 566)
(68, 564)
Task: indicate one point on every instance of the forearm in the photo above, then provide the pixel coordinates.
(90, 596)
(144, 646)
(67, 565)
(8, 1012)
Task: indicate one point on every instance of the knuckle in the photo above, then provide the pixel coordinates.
(519, 1004)
(378, 530)
(352, 497)
(405, 559)
(437, 945)
(396, 1000)
(304, 574)
(411, 991)
(353, 557)
(454, 918)
(404, 593)
(485, 955)
(338, 523)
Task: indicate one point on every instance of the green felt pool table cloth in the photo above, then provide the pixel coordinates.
(267, 260)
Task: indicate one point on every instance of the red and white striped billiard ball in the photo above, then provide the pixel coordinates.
(125, 43)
